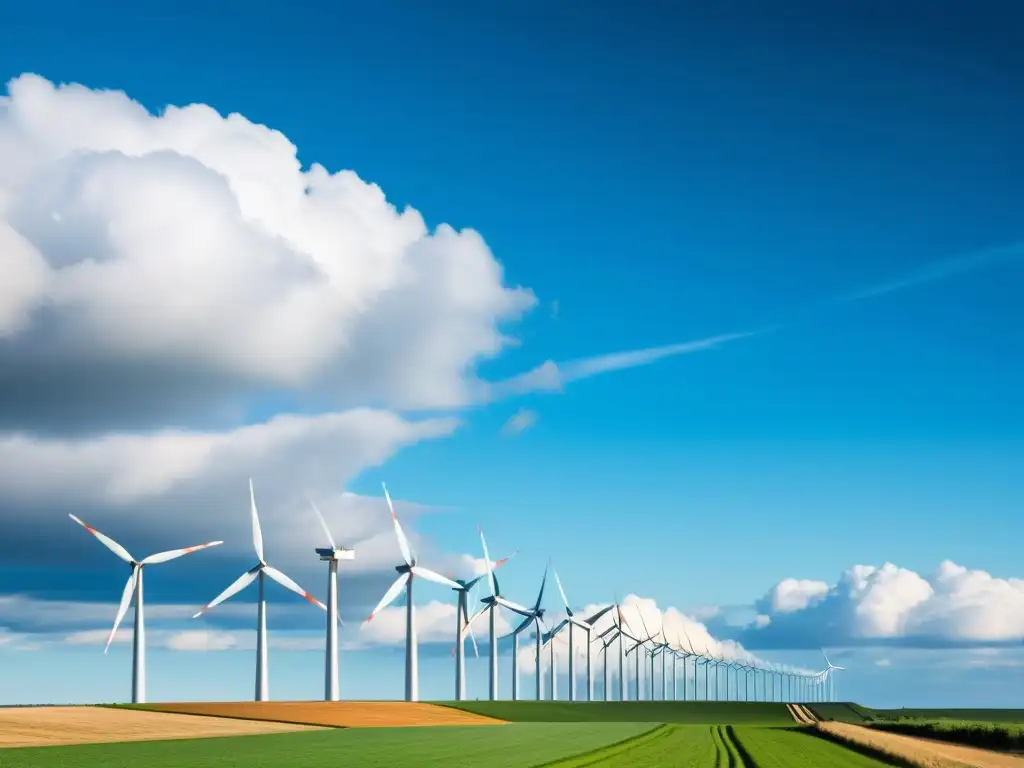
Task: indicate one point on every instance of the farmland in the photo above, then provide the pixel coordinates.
(507, 746)
(523, 734)
(692, 712)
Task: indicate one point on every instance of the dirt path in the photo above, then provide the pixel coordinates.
(922, 752)
(47, 726)
(347, 714)
(801, 714)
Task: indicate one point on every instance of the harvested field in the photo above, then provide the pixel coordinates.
(922, 752)
(47, 726)
(338, 714)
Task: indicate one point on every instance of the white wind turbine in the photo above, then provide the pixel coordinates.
(134, 588)
(259, 571)
(463, 627)
(333, 555)
(491, 604)
(407, 573)
(829, 677)
(536, 618)
(586, 625)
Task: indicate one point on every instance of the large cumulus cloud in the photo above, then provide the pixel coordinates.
(891, 605)
(179, 259)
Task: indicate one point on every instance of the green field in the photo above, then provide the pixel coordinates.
(784, 747)
(693, 712)
(547, 735)
(507, 746)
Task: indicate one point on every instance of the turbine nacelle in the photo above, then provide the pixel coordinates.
(336, 554)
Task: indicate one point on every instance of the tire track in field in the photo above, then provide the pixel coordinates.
(610, 751)
(729, 752)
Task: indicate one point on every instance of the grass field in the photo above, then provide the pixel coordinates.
(693, 712)
(538, 735)
(509, 746)
(784, 747)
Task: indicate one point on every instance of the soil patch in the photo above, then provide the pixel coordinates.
(921, 752)
(48, 726)
(337, 714)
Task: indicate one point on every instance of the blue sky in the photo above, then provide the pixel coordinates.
(654, 175)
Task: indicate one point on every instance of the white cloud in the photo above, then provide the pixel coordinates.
(174, 488)
(889, 603)
(519, 422)
(435, 623)
(173, 265)
(796, 594)
(198, 640)
(642, 618)
(282, 277)
(883, 662)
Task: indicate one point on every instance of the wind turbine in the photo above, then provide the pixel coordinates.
(260, 570)
(549, 643)
(333, 555)
(491, 604)
(133, 587)
(612, 633)
(684, 654)
(652, 652)
(535, 617)
(829, 677)
(407, 573)
(586, 625)
(462, 628)
(622, 648)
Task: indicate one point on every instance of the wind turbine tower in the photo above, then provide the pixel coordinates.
(332, 555)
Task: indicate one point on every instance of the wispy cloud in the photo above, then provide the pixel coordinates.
(940, 270)
(519, 422)
(553, 377)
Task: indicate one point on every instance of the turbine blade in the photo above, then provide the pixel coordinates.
(543, 583)
(472, 636)
(561, 591)
(474, 617)
(526, 623)
(323, 524)
(437, 578)
(514, 607)
(171, 554)
(499, 563)
(122, 609)
(487, 562)
(591, 620)
(237, 586)
(106, 541)
(390, 595)
(826, 657)
(257, 533)
(403, 543)
(287, 583)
